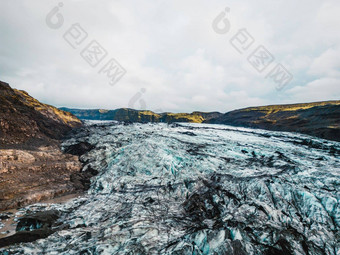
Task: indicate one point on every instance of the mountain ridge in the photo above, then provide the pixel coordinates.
(132, 115)
(320, 119)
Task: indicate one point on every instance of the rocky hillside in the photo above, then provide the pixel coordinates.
(32, 165)
(37, 174)
(321, 119)
(131, 115)
(24, 119)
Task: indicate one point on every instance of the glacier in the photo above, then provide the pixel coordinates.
(198, 189)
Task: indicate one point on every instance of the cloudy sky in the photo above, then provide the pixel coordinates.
(173, 56)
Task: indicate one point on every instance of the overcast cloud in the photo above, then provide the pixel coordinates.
(170, 49)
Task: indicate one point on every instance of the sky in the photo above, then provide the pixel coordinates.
(178, 56)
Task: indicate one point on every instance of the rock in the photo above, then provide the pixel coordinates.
(4, 216)
(82, 180)
(39, 220)
(32, 227)
(38, 174)
(25, 236)
(188, 133)
(79, 148)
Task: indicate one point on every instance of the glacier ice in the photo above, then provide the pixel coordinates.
(199, 189)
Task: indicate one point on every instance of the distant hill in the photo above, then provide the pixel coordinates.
(131, 115)
(321, 119)
(24, 119)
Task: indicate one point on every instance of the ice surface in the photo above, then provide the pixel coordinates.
(200, 189)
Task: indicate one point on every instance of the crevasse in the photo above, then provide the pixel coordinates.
(200, 189)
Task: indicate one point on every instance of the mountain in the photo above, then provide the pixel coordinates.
(321, 119)
(24, 119)
(131, 115)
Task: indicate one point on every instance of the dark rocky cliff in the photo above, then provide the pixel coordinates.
(24, 119)
(321, 119)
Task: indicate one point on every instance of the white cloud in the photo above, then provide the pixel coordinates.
(319, 90)
(170, 49)
(328, 64)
